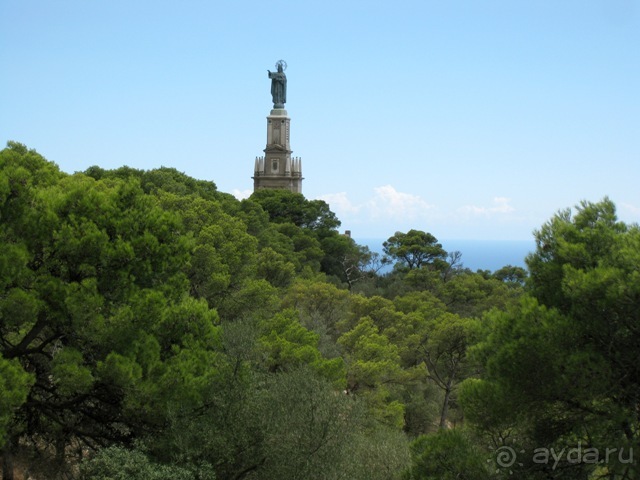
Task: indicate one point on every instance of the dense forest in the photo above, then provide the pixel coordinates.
(153, 327)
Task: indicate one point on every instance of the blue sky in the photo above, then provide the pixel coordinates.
(467, 119)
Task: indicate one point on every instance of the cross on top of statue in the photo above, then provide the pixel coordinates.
(279, 84)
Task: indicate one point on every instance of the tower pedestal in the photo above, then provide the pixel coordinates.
(277, 168)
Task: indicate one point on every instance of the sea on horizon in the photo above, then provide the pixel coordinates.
(476, 254)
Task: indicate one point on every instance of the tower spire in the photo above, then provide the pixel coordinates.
(277, 169)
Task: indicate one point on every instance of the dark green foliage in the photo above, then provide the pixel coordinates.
(415, 249)
(563, 363)
(160, 179)
(312, 228)
(175, 332)
(94, 307)
(511, 275)
(118, 463)
(292, 424)
(447, 455)
(287, 207)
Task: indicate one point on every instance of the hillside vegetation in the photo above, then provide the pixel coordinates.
(152, 327)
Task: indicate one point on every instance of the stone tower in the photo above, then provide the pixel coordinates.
(277, 168)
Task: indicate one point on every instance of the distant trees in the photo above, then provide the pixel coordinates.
(516, 276)
(284, 206)
(313, 228)
(415, 249)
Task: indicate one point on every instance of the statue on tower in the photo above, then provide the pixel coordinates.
(279, 85)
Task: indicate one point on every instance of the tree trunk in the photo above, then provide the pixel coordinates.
(445, 407)
(7, 461)
(60, 450)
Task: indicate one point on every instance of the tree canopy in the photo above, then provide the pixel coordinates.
(152, 326)
(415, 249)
(563, 363)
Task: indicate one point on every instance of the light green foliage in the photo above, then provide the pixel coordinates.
(423, 278)
(94, 302)
(315, 297)
(374, 359)
(222, 257)
(287, 344)
(470, 294)
(161, 180)
(173, 181)
(69, 374)
(14, 387)
(322, 306)
(585, 241)
(392, 353)
(274, 267)
(434, 347)
(381, 310)
(307, 249)
(251, 298)
(439, 344)
(195, 212)
(167, 354)
(373, 367)
(424, 303)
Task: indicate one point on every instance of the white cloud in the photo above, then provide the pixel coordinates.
(390, 203)
(500, 206)
(472, 209)
(387, 210)
(340, 203)
(632, 209)
(241, 194)
(386, 203)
